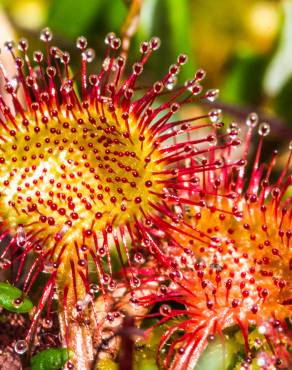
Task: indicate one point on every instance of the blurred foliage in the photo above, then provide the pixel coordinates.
(283, 105)
(243, 45)
(244, 82)
(73, 17)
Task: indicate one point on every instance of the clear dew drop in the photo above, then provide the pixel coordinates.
(66, 87)
(90, 55)
(17, 302)
(14, 83)
(144, 47)
(200, 74)
(134, 302)
(262, 329)
(65, 57)
(47, 323)
(215, 115)
(233, 195)
(252, 120)
(105, 279)
(155, 43)
(212, 140)
(22, 44)
(212, 94)
(264, 129)
(139, 258)
(158, 88)
(165, 310)
(4, 263)
(81, 42)
(64, 230)
(258, 342)
(216, 241)
(290, 145)
(163, 289)
(106, 64)
(55, 295)
(9, 88)
(233, 125)
(9, 45)
(94, 288)
(135, 282)
(20, 347)
(38, 56)
(189, 84)
(20, 236)
(46, 35)
(83, 303)
(116, 43)
(48, 267)
(261, 359)
(112, 286)
(69, 365)
(275, 192)
(216, 267)
(197, 89)
(182, 59)
(174, 69)
(137, 68)
(51, 71)
(171, 82)
(109, 37)
(93, 80)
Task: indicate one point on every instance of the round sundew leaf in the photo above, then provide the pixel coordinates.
(50, 359)
(8, 296)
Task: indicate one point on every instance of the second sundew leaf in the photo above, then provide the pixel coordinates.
(50, 359)
(12, 299)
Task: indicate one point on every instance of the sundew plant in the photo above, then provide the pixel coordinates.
(131, 237)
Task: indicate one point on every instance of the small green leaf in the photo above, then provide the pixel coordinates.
(50, 359)
(8, 295)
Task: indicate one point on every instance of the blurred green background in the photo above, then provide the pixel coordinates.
(244, 45)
